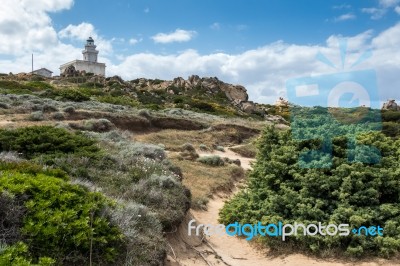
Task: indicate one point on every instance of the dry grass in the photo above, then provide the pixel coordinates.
(204, 180)
(174, 139)
(247, 150)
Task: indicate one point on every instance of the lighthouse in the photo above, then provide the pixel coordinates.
(89, 63)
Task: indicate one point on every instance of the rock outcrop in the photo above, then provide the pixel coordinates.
(237, 94)
(391, 105)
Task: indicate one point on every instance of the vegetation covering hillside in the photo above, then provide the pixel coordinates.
(99, 170)
(206, 95)
(78, 188)
(358, 185)
(65, 222)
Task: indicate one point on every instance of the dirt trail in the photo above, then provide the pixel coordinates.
(234, 251)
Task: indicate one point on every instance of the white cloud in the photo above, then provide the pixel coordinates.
(134, 41)
(47, 5)
(376, 13)
(80, 32)
(265, 70)
(84, 30)
(344, 17)
(215, 26)
(342, 6)
(388, 3)
(178, 35)
(384, 6)
(25, 25)
(26, 28)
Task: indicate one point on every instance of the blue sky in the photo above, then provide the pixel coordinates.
(259, 44)
(228, 26)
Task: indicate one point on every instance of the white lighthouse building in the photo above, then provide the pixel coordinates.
(89, 63)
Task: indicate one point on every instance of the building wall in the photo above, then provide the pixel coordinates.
(43, 72)
(89, 67)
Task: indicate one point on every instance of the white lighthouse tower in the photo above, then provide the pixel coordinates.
(90, 53)
(89, 63)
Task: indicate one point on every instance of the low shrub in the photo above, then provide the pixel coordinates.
(46, 140)
(165, 196)
(145, 113)
(219, 148)
(12, 212)
(203, 147)
(69, 109)
(97, 125)
(118, 100)
(232, 161)
(18, 254)
(14, 87)
(189, 155)
(40, 85)
(144, 240)
(72, 95)
(213, 160)
(4, 106)
(49, 108)
(58, 116)
(202, 106)
(36, 116)
(137, 149)
(63, 221)
(188, 147)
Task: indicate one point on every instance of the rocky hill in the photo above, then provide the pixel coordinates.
(207, 94)
(208, 91)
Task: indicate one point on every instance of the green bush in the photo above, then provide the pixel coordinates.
(390, 116)
(72, 95)
(165, 196)
(179, 99)
(46, 140)
(91, 85)
(203, 147)
(202, 106)
(69, 109)
(356, 192)
(40, 85)
(36, 116)
(143, 234)
(14, 87)
(97, 125)
(63, 221)
(18, 254)
(187, 147)
(118, 100)
(213, 160)
(391, 129)
(91, 91)
(58, 116)
(4, 106)
(219, 148)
